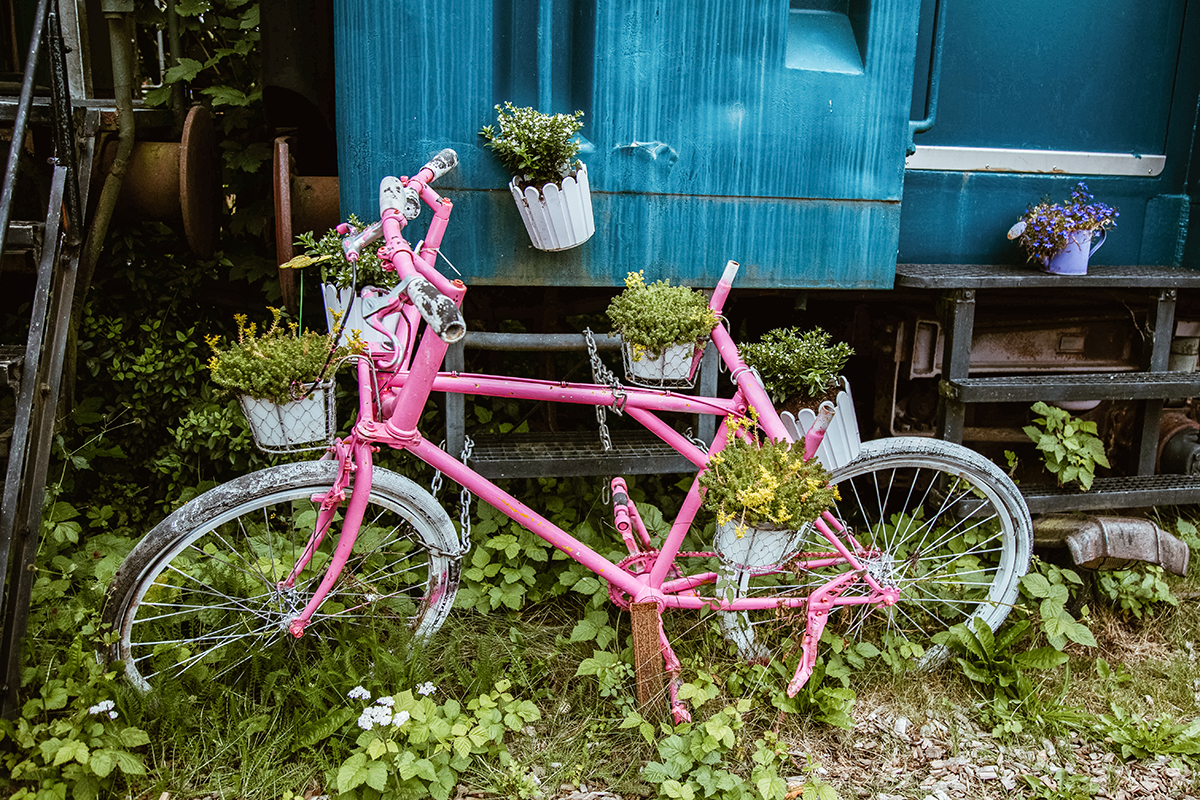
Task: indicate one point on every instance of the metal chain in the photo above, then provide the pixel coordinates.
(464, 503)
(603, 375)
(435, 485)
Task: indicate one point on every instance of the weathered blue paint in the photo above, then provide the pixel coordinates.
(1102, 76)
(705, 146)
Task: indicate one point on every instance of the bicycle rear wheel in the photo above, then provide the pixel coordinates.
(948, 529)
(199, 596)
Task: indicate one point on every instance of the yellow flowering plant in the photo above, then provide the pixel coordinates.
(274, 364)
(652, 317)
(758, 483)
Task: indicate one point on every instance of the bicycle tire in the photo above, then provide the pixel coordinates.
(955, 537)
(198, 596)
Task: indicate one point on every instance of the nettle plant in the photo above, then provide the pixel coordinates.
(274, 365)
(1045, 228)
(765, 484)
(336, 269)
(537, 148)
(1070, 447)
(653, 317)
(794, 362)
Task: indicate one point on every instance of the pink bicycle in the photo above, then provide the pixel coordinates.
(927, 534)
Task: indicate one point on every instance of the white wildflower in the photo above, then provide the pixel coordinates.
(103, 707)
(357, 693)
(427, 688)
(400, 718)
(386, 701)
(374, 715)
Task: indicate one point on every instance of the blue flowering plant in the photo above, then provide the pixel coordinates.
(1046, 228)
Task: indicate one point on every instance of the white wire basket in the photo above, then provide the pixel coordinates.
(309, 423)
(669, 370)
(755, 548)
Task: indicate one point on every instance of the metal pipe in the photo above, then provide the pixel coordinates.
(916, 126)
(121, 41)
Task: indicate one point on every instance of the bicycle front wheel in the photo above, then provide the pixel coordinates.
(942, 524)
(199, 597)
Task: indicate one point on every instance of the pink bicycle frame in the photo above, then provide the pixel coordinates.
(406, 380)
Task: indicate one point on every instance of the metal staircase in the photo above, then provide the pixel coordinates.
(34, 371)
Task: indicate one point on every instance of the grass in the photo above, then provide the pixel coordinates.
(265, 737)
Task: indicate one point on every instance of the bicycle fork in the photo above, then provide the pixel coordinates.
(352, 457)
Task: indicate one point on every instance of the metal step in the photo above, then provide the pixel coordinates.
(24, 236)
(1131, 492)
(538, 455)
(1090, 386)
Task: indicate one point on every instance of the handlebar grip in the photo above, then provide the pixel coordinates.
(442, 163)
(436, 309)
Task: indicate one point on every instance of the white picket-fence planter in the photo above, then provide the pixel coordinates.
(842, 440)
(290, 427)
(336, 302)
(670, 368)
(756, 548)
(560, 216)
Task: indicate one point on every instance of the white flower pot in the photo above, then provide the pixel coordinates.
(558, 217)
(670, 368)
(285, 428)
(756, 548)
(336, 301)
(842, 440)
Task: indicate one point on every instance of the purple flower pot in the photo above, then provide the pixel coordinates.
(1073, 259)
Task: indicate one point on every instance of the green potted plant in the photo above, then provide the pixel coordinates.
(765, 495)
(366, 279)
(1062, 236)
(662, 328)
(1069, 446)
(801, 370)
(282, 378)
(549, 185)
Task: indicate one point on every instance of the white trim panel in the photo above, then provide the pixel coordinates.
(1050, 162)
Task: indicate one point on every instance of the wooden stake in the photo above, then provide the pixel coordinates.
(647, 659)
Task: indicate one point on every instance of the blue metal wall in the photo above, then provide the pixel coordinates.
(1095, 76)
(712, 137)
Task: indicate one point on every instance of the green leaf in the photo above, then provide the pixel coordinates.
(1040, 658)
(129, 763)
(102, 762)
(771, 787)
(324, 727)
(133, 737)
(352, 773)
(599, 662)
(1036, 585)
(377, 776)
(186, 70)
(71, 750)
